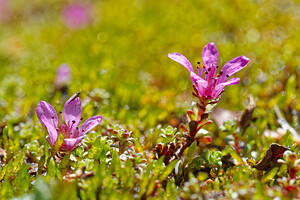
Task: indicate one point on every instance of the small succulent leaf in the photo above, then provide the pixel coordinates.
(270, 175)
(51, 169)
(190, 153)
(41, 164)
(234, 155)
(168, 170)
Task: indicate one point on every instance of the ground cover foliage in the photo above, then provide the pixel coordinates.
(155, 140)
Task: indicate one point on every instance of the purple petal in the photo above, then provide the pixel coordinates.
(72, 142)
(72, 112)
(182, 60)
(47, 114)
(201, 86)
(218, 89)
(77, 15)
(210, 55)
(63, 75)
(232, 67)
(52, 132)
(195, 77)
(235, 65)
(89, 124)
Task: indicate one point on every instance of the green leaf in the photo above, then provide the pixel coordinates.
(283, 170)
(65, 161)
(202, 176)
(168, 170)
(194, 164)
(115, 163)
(217, 184)
(41, 164)
(51, 168)
(159, 166)
(22, 181)
(270, 175)
(99, 150)
(145, 179)
(6, 168)
(190, 153)
(233, 154)
(139, 146)
(171, 190)
(8, 144)
(19, 159)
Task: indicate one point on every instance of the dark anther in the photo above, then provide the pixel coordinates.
(227, 76)
(209, 69)
(82, 130)
(206, 72)
(73, 121)
(218, 75)
(198, 63)
(77, 128)
(52, 117)
(197, 67)
(60, 112)
(221, 73)
(217, 66)
(204, 66)
(81, 118)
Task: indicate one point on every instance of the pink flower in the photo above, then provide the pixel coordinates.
(209, 84)
(70, 130)
(5, 10)
(63, 76)
(77, 15)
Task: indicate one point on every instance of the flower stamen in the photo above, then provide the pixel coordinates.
(61, 121)
(199, 69)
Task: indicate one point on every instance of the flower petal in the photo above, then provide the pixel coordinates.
(201, 86)
(218, 89)
(72, 112)
(71, 143)
(90, 124)
(51, 140)
(210, 55)
(232, 67)
(52, 132)
(195, 77)
(235, 65)
(182, 60)
(47, 114)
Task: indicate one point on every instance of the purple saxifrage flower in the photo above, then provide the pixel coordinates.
(77, 15)
(209, 84)
(70, 130)
(5, 11)
(63, 76)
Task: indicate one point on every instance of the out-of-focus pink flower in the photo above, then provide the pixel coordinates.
(5, 11)
(77, 15)
(72, 117)
(63, 76)
(209, 84)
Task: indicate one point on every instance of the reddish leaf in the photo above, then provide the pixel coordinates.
(274, 152)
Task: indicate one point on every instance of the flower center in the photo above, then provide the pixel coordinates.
(213, 78)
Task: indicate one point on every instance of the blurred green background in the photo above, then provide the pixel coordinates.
(119, 58)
